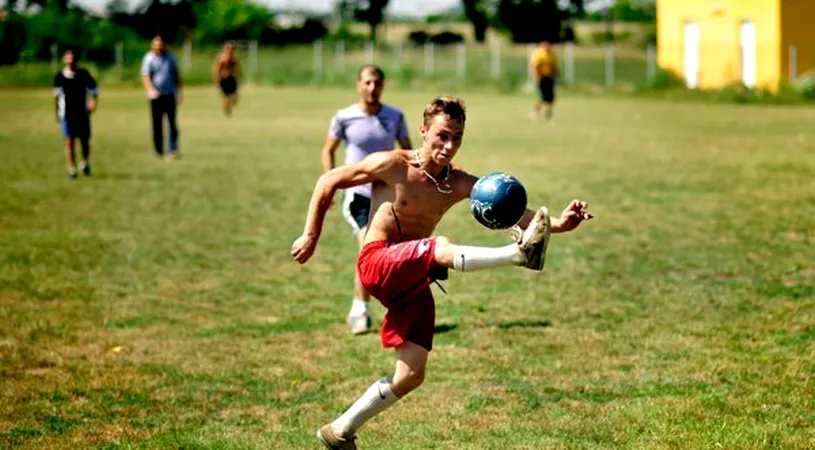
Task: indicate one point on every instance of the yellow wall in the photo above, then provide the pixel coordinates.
(798, 29)
(720, 47)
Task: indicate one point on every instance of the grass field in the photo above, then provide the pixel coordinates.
(154, 305)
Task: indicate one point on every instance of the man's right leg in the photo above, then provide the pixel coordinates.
(157, 113)
(170, 106)
(530, 251)
(70, 156)
(411, 361)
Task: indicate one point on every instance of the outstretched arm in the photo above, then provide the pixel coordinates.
(572, 216)
(370, 169)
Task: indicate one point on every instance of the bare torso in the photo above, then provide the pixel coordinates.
(226, 65)
(407, 205)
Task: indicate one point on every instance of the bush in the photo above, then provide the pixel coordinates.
(666, 79)
(418, 37)
(806, 85)
(446, 38)
(567, 34)
(736, 92)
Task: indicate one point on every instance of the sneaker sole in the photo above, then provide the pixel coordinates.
(358, 331)
(544, 228)
(322, 440)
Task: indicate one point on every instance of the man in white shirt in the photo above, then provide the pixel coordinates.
(367, 126)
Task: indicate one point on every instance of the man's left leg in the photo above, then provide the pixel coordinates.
(85, 142)
(411, 361)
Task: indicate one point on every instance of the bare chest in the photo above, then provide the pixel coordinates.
(418, 195)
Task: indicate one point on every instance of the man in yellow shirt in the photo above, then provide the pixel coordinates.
(544, 66)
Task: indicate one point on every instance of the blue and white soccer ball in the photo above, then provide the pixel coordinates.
(498, 200)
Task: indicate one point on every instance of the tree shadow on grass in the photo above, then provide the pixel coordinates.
(522, 324)
(442, 328)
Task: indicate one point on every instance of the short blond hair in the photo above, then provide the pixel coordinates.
(447, 105)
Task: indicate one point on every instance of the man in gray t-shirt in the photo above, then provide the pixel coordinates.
(367, 126)
(161, 80)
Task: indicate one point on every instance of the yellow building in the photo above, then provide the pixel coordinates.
(712, 43)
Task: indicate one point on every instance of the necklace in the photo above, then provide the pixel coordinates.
(444, 189)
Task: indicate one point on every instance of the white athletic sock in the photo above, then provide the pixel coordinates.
(378, 397)
(358, 307)
(467, 259)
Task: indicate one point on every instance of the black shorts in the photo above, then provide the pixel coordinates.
(546, 88)
(229, 85)
(355, 209)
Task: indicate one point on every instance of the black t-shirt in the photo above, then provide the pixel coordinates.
(72, 93)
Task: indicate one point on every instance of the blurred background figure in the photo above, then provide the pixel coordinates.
(545, 70)
(161, 80)
(367, 126)
(225, 71)
(71, 88)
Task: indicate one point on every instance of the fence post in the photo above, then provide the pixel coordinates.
(318, 60)
(793, 64)
(399, 54)
(339, 56)
(369, 52)
(495, 60)
(651, 70)
(461, 60)
(54, 56)
(428, 58)
(120, 51)
(187, 54)
(253, 58)
(609, 65)
(569, 63)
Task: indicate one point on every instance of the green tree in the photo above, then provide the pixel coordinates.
(530, 20)
(635, 10)
(476, 12)
(371, 12)
(219, 20)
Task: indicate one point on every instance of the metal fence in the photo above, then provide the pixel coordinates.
(497, 62)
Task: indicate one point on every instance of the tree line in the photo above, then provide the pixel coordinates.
(32, 29)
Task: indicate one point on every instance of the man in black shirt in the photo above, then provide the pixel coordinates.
(71, 88)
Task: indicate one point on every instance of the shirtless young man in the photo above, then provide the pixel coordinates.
(224, 71)
(412, 190)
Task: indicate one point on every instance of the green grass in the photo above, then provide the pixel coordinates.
(155, 305)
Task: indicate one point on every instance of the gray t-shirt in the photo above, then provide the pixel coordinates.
(365, 134)
(162, 70)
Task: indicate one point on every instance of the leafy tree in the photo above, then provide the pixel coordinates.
(12, 39)
(635, 10)
(476, 13)
(220, 20)
(530, 20)
(369, 11)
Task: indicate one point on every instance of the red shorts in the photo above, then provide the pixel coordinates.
(398, 275)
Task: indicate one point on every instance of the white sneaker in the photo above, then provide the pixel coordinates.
(360, 324)
(535, 239)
